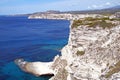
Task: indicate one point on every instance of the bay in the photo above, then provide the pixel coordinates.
(30, 39)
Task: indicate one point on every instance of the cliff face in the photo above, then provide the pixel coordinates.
(91, 54)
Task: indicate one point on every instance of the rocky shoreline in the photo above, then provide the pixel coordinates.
(35, 68)
(92, 53)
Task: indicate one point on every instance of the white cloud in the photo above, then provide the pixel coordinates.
(108, 3)
(94, 6)
(99, 6)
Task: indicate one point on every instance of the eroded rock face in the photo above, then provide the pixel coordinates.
(101, 58)
(59, 67)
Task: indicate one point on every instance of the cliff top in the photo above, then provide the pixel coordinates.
(104, 22)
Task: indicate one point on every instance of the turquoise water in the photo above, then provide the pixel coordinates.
(33, 40)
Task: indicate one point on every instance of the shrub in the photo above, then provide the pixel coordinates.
(101, 23)
(91, 19)
(76, 23)
(80, 53)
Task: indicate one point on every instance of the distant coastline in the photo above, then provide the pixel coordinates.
(71, 15)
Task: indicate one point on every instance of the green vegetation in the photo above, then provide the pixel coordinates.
(80, 53)
(104, 22)
(77, 23)
(113, 70)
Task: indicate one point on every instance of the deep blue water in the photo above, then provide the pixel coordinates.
(33, 40)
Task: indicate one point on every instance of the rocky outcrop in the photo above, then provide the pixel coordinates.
(59, 67)
(36, 68)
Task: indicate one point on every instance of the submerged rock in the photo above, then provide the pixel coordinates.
(21, 63)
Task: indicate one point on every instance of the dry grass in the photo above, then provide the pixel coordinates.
(80, 53)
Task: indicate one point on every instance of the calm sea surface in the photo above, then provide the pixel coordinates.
(33, 40)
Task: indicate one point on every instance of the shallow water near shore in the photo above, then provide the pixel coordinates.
(30, 39)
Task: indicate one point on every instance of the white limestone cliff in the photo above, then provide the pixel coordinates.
(92, 53)
(101, 58)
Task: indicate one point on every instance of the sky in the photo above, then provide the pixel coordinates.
(8, 7)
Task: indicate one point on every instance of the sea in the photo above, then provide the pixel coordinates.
(30, 39)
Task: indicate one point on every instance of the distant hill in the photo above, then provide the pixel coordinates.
(21, 14)
(111, 10)
(116, 7)
(47, 12)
